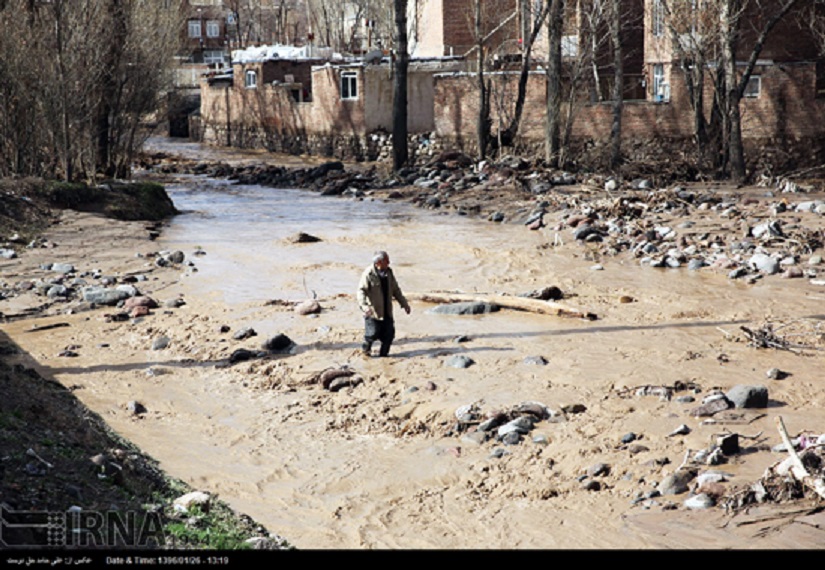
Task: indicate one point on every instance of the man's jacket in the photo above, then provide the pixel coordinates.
(370, 295)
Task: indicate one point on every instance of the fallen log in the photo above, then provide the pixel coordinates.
(508, 302)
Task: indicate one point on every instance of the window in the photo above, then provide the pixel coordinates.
(194, 28)
(251, 79)
(754, 87)
(349, 85)
(661, 90)
(658, 24)
(213, 29)
(213, 56)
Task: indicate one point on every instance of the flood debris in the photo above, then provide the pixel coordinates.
(779, 335)
(800, 476)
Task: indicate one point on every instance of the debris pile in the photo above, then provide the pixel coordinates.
(800, 475)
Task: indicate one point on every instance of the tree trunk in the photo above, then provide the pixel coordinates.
(400, 152)
(113, 55)
(730, 37)
(554, 70)
(483, 120)
(509, 134)
(618, 84)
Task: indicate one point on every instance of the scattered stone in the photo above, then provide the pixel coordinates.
(743, 396)
(344, 382)
(728, 443)
(459, 361)
(700, 501)
(139, 301)
(241, 355)
(598, 470)
(102, 296)
(135, 407)
(57, 292)
(245, 333)
(591, 485)
(776, 374)
(176, 257)
(676, 483)
(468, 308)
(681, 430)
(711, 407)
(302, 237)
(62, 268)
(194, 499)
(160, 343)
(308, 307)
(535, 360)
(280, 343)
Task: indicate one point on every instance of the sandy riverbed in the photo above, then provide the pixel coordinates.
(376, 465)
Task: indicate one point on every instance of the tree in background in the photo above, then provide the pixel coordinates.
(720, 43)
(555, 29)
(400, 151)
(86, 73)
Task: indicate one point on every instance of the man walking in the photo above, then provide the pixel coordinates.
(376, 290)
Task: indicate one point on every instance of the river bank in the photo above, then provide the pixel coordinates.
(395, 461)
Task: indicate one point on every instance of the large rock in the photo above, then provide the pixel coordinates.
(748, 396)
(278, 343)
(103, 296)
(459, 361)
(468, 308)
(764, 263)
(677, 483)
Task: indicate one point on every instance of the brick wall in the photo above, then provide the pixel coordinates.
(786, 109)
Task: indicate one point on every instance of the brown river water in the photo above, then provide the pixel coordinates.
(375, 466)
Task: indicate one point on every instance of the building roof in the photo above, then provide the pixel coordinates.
(270, 52)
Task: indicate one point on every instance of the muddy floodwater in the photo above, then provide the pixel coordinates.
(378, 465)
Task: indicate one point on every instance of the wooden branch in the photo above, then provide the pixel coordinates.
(508, 302)
(798, 469)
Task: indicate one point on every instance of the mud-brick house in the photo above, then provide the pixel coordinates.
(299, 100)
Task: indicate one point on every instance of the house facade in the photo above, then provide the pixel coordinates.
(292, 100)
(336, 108)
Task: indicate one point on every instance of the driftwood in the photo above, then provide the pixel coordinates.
(508, 302)
(798, 470)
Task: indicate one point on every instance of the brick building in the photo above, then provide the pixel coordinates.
(300, 101)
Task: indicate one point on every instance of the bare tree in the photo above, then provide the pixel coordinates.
(708, 45)
(731, 27)
(483, 121)
(400, 152)
(507, 136)
(614, 23)
(98, 73)
(555, 27)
